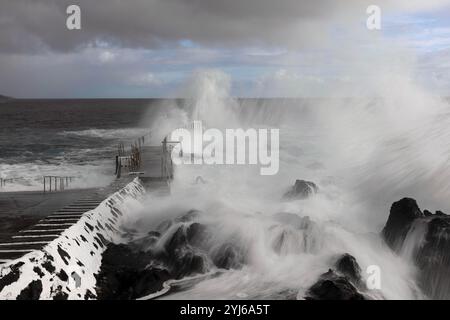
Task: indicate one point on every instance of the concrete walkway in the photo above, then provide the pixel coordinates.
(20, 210)
(30, 220)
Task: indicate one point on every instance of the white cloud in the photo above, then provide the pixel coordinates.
(145, 80)
(288, 83)
(106, 57)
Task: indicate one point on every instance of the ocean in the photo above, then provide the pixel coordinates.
(362, 154)
(66, 138)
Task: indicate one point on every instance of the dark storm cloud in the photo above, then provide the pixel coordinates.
(32, 25)
(131, 48)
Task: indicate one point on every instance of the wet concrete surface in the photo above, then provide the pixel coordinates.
(20, 210)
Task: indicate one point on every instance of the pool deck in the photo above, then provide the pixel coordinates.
(30, 220)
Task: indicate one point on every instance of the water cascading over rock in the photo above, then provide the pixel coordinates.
(425, 238)
(302, 189)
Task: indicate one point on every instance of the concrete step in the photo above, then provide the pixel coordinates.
(71, 211)
(66, 215)
(40, 237)
(57, 221)
(83, 206)
(23, 245)
(41, 230)
(45, 225)
(13, 254)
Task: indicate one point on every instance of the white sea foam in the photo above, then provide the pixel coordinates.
(29, 176)
(362, 153)
(119, 134)
(76, 252)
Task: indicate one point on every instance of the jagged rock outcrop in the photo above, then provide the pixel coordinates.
(293, 219)
(401, 217)
(229, 256)
(66, 267)
(347, 266)
(302, 189)
(294, 234)
(128, 274)
(432, 245)
(4, 98)
(331, 286)
(342, 283)
(433, 258)
(179, 249)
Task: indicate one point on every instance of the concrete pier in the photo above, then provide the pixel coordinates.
(30, 220)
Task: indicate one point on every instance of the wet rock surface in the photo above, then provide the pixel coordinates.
(401, 217)
(332, 286)
(432, 252)
(302, 189)
(229, 256)
(32, 291)
(12, 276)
(347, 266)
(179, 248)
(128, 274)
(341, 283)
(433, 259)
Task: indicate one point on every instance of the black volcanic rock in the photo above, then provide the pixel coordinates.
(128, 274)
(229, 256)
(427, 213)
(186, 235)
(301, 190)
(140, 267)
(177, 241)
(183, 250)
(189, 216)
(347, 266)
(187, 263)
(196, 234)
(293, 219)
(4, 98)
(332, 286)
(433, 259)
(32, 291)
(432, 252)
(12, 276)
(343, 283)
(401, 216)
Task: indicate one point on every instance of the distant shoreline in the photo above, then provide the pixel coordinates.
(5, 98)
(181, 99)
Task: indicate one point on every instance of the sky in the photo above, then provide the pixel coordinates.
(151, 48)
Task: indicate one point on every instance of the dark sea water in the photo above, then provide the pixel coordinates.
(67, 137)
(80, 137)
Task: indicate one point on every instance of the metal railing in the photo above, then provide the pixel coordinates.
(139, 142)
(166, 159)
(57, 183)
(122, 162)
(132, 161)
(3, 181)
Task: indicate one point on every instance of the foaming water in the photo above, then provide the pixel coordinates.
(29, 176)
(75, 138)
(120, 134)
(282, 253)
(363, 154)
